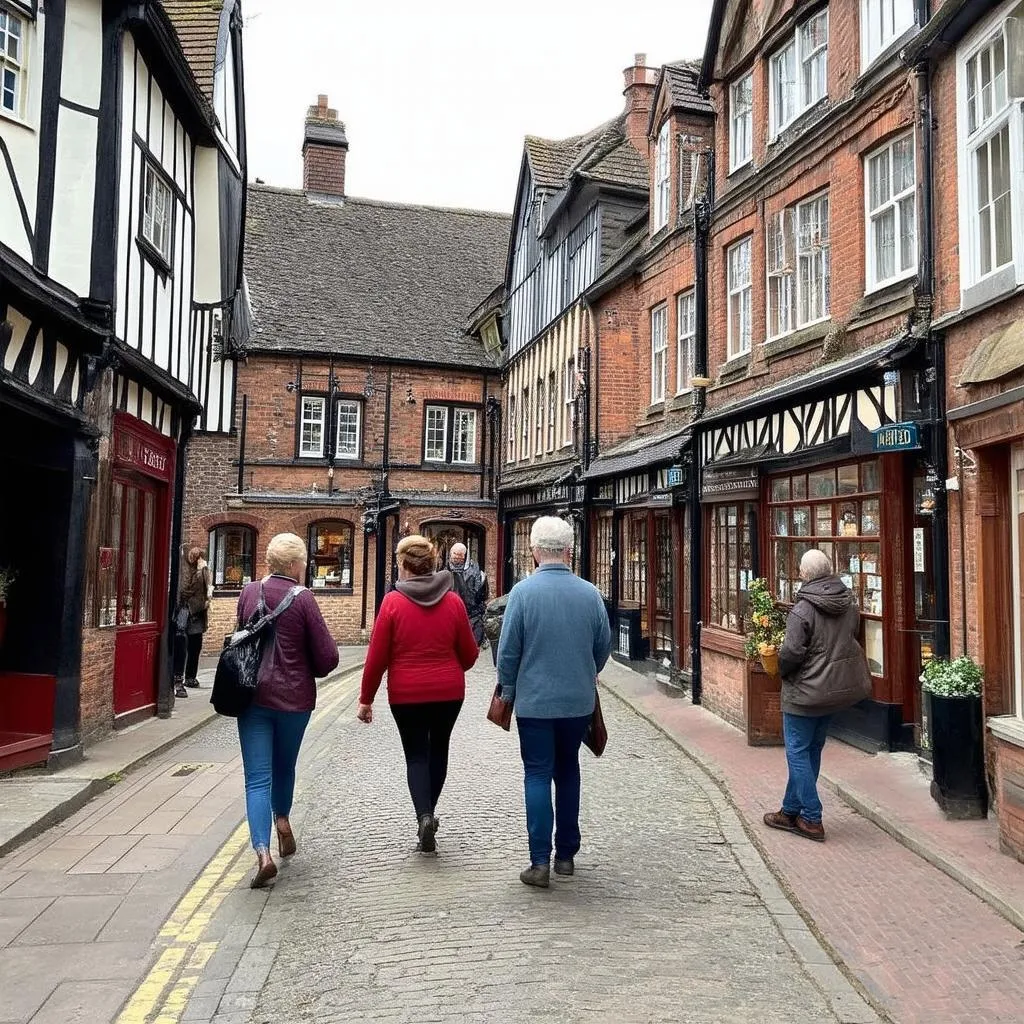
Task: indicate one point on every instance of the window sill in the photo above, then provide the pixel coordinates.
(461, 467)
(655, 409)
(793, 130)
(734, 367)
(1008, 728)
(997, 285)
(715, 638)
(153, 256)
(749, 162)
(796, 341)
(682, 400)
(882, 303)
(332, 591)
(6, 115)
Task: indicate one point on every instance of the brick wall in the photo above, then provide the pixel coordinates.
(323, 170)
(97, 691)
(1009, 793)
(722, 678)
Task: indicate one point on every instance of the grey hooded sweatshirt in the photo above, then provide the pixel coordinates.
(821, 661)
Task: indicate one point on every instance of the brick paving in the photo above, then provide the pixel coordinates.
(926, 948)
(672, 915)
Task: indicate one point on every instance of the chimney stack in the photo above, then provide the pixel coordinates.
(324, 149)
(639, 92)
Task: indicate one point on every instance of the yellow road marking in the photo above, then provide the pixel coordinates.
(191, 917)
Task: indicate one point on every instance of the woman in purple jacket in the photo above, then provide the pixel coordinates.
(271, 729)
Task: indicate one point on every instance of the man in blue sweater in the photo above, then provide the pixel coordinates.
(555, 638)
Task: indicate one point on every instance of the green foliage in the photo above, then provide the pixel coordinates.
(766, 624)
(7, 578)
(958, 678)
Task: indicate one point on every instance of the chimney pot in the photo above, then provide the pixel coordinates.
(639, 93)
(640, 60)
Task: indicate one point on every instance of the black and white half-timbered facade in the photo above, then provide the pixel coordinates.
(122, 308)
(576, 201)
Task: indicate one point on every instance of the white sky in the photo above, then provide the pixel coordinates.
(436, 97)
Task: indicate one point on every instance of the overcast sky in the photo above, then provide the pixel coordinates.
(436, 97)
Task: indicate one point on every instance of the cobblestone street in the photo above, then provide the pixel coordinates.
(672, 915)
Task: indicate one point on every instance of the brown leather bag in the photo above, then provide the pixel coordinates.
(500, 711)
(596, 736)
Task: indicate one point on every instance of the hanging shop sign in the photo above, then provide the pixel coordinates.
(896, 437)
(738, 483)
(675, 476)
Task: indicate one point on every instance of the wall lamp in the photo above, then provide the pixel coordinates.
(291, 387)
(410, 398)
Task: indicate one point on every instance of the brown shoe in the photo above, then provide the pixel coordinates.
(781, 820)
(813, 830)
(266, 870)
(285, 837)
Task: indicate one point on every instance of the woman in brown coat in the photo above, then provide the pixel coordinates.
(191, 620)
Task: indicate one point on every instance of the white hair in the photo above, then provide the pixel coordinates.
(458, 549)
(284, 551)
(814, 565)
(552, 535)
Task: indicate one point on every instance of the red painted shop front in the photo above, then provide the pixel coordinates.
(140, 531)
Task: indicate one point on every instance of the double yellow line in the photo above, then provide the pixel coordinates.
(165, 991)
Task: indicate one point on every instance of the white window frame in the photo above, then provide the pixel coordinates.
(13, 65)
(895, 203)
(662, 178)
(307, 404)
(900, 19)
(443, 411)
(741, 333)
(808, 249)
(468, 458)
(524, 425)
(978, 287)
(686, 339)
(779, 247)
(348, 403)
(659, 352)
(511, 427)
(798, 57)
(740, 157)
(552, 410)
(569, 424)
(154, 188)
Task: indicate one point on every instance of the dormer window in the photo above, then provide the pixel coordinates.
(662, 176)
(798, 73)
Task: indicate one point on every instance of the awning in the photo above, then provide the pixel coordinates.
(783, 393)
(639, 453)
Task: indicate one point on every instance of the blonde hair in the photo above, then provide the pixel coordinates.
(194, 554)
(417, 555)
(284, 550)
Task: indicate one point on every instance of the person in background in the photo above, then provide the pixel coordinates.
(555, 639)
(471, 585)
(270, 730)
(823, 671)
(191, 620)
(492, 624)
(423, 640)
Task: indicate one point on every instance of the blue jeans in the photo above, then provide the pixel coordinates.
(550, 748)
(805, 736)
(270, 743)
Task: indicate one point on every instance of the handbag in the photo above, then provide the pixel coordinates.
(596, 736)
(500, 711)
(238, 667)
(181, 619)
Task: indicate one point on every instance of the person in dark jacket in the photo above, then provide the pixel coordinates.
(422, 639)
(191, 620)
(492, 624)
(471, 585)
(823, 671)
(270, 730)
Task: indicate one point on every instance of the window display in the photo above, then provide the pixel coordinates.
(330, 556)
(730, 563)
(231, 556)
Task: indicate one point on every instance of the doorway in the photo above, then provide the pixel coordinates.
(446, 535)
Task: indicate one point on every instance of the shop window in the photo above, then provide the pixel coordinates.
(664, 629)
(838, 511)
(127, 564)
(602, 567)
(730, 563)
(633, 581)
(232, 556)
(330, 556)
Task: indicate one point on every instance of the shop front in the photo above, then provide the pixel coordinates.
(133, 563)
(842, 474)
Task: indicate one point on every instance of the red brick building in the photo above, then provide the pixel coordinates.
(367, 406)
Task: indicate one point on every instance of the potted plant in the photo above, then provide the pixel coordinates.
(957, 736)
(766, 627)
(7, 578)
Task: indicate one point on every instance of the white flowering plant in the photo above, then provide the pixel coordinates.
(961, 677)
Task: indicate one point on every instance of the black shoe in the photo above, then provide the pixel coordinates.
(428, 827)
(180, 690)
(192, 684)
(565, 867)
(538, 875)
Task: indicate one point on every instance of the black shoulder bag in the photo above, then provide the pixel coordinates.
(238, 668)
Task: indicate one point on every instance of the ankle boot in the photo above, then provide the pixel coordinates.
(179, 687)
(428, 827)
(266, 869)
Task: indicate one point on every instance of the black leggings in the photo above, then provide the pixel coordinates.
(426, 730)
(186, 654)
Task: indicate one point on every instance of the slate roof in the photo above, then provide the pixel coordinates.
(368, 278)
(197, 25)
(603, 154)
(682, 77)
(638, 453)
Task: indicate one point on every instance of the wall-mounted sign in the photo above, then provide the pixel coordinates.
(729, 483)
(133, 449)
(896, 437)
(918, 549)
(675, 476)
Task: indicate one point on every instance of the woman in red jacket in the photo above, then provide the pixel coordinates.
(423, 640)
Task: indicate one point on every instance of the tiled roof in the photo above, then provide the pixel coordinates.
(682, 77)
(604, 154)
(197, 24)
(638, 453)
(368, 278)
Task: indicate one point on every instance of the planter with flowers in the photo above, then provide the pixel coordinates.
(957, 726)
(7, 577)
(765, 630)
